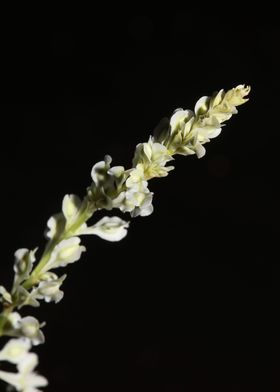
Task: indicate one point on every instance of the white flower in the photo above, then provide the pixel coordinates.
(153, 157)
(49, 290)
(144, 205)
(105, 190)
(28, 327)
(136, 176)
(138, 200)
(24, 260)
(156, 152)
(66, 252)
(182, 138)
(15, 350)
(108, 228)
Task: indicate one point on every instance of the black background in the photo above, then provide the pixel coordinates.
(188, 301)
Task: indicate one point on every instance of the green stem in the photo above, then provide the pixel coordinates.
(85, 213)
(2, 323)
(34, 277)
(3, 318)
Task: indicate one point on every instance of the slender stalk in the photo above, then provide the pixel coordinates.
(34, 277)
(85, 214)
(3, 318)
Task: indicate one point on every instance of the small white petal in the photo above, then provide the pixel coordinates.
(116, 171)
(217, 99)
(70, 206)
(148, 150)
(96, 168)
(20, 253)
(14, 318)
(208, 132)
(186, 150)
(23, 265)
(179, 117)
(51, 224)
(50, 290)
(55, 225)
(136, 176)
(66, 252)
(200, 150)
(146, 211)
(109, 228)
(99, 170)
(215, 132)
(201, 105)
(32, 381)
(13, 379)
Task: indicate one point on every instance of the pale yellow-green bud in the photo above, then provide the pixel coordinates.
(235, 96)
(152, 157)
(189, 131)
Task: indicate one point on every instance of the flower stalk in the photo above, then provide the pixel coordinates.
(112, 188)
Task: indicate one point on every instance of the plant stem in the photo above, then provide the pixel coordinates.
(86, 212)
(3, 318)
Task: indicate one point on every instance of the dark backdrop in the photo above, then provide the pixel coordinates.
(186, 301)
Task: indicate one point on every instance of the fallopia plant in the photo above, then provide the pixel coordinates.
(185, 133)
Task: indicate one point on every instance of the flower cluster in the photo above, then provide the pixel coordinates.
(189, 130)
(27, 327)
(112, 187)
(115, 187)
(186, 133)
(32, 285)
(16, 351)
